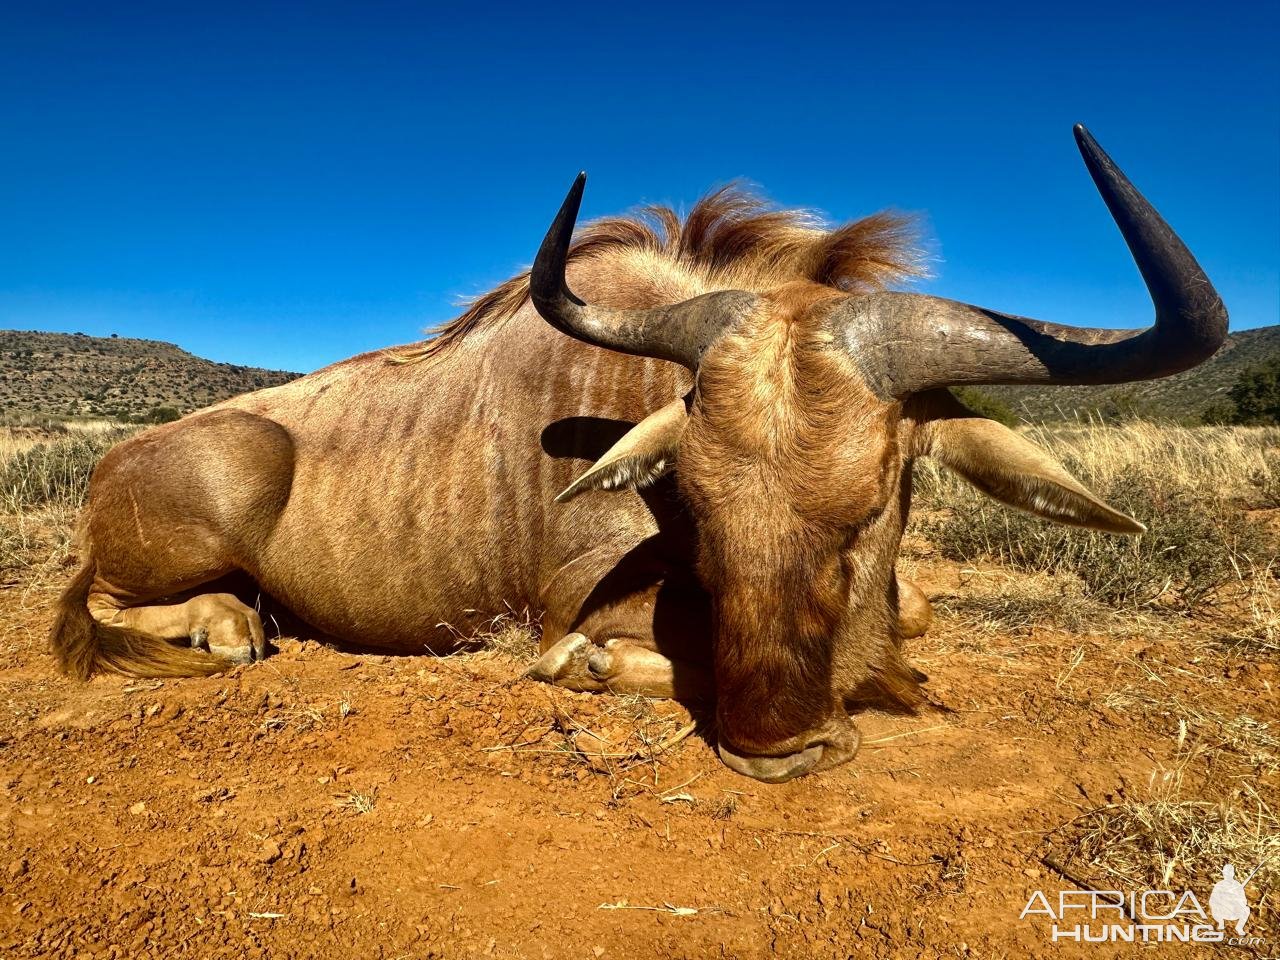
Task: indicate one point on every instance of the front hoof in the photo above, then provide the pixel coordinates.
(250, 652)
(600, 663)
(237, 654)
(568, 656)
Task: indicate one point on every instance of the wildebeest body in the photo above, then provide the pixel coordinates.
(753, 426)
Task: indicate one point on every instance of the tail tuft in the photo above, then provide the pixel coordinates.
(83, 647)
(137, 655)
(72, 639)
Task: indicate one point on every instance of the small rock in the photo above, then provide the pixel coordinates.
(269, 852)
(213, 794)
(17, 868)
(138, 809)
(170, 711)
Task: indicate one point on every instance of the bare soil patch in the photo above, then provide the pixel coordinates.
(325, 805)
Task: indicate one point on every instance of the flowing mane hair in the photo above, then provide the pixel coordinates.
(730, 239)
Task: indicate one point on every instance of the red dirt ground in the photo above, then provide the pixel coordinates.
(222, 817)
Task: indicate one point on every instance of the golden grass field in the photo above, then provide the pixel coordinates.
(1104, 714)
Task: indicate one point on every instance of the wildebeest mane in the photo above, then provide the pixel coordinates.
(730, 239)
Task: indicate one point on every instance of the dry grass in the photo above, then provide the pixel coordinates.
(1193, 487)
(1227, 461)
(631, 732)
(43, 479)
(358, 803)
(1254, 627)
(54, 473)
(13, 442)
(1266, 478)
(1167, 839)
(624, 740)
(997, 602)
(1204, 734)
(298, 719)
(1209, 803)
(512, 634)
(1167, 621)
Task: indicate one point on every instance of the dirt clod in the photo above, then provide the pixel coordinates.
(269, 852)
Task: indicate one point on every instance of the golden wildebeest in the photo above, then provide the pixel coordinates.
(755, 358)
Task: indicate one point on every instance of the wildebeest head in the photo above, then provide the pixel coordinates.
(794, 448)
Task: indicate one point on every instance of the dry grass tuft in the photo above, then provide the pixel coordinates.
(1166, 841)
(1253, 627)
(1204, 734)
(1266, 479)
(636, 731)
(43, 480)
(1017, 606)
(625, 741)
(358, 803)
(298, 719)
(994, 605)
(513, 634)
(725, 808)
(15, 545)
(13, 442)
(55, 473)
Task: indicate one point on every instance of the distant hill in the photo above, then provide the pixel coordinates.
(73, 375)
(1180, 398)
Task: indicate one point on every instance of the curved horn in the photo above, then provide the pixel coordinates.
(680, 332)
(906, 343)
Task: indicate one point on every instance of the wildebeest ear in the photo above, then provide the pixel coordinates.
(645, 453)
(1015, 471)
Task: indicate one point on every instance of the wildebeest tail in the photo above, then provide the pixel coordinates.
(83, 647)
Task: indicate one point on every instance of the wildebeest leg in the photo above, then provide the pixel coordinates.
(170, 511)
(217, 622)
(620, 621)
(620, 666)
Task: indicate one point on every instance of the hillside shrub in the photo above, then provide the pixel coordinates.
(985, 405)
(1254, 399)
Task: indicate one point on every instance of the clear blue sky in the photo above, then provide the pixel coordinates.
(285, 185)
